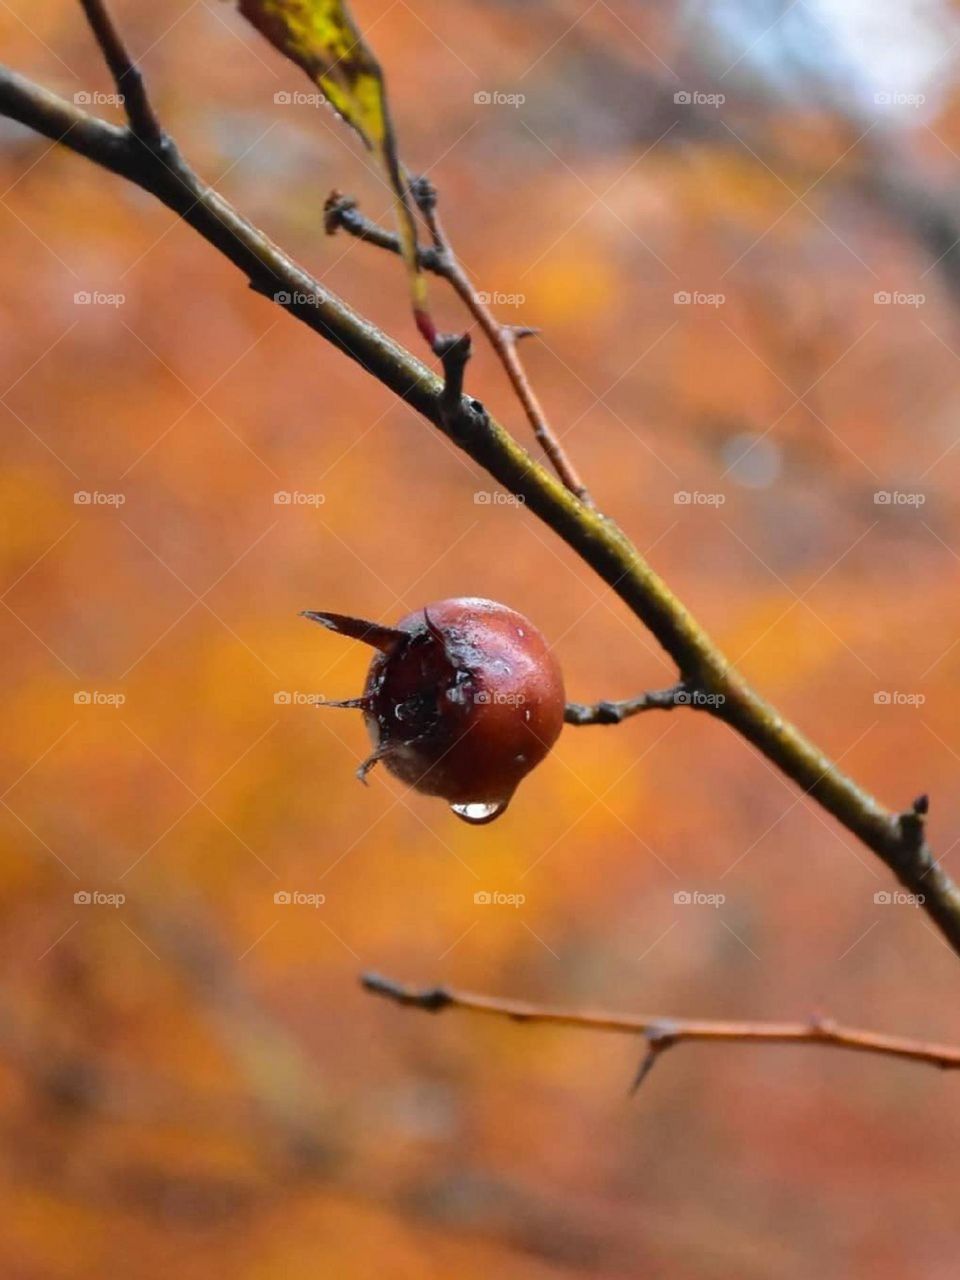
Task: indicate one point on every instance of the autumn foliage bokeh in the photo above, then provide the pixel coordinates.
(194, 1080)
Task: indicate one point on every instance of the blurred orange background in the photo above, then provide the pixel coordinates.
(193, 1078)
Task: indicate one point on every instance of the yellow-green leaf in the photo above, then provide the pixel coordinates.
(321, 37)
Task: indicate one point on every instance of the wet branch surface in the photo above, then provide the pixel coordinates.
(898, 839)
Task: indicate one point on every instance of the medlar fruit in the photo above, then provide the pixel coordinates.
(462, 700)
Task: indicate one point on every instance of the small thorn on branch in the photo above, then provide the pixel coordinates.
(659, 1037)
(913, 823)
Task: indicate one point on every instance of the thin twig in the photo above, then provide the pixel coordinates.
(503, 339)
(678, 695)
(662, 1033)
(341, 211)
(126, 74)
(899, 840)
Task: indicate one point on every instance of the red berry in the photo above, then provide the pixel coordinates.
(462, 700)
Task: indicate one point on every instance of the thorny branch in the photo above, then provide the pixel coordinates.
(342, 211)
(661, 1034)
(898, 839)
